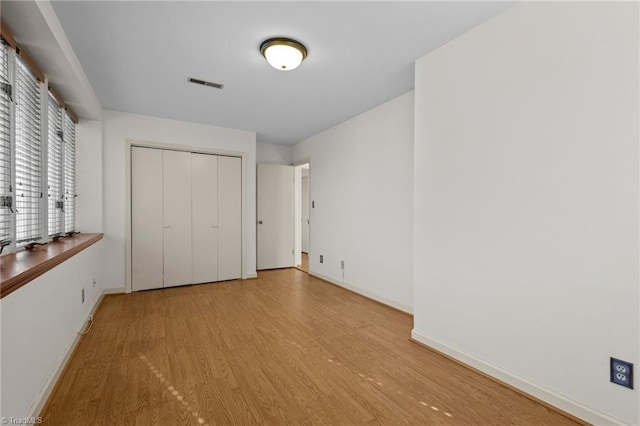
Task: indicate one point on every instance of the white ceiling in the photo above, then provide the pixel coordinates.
(138, 56)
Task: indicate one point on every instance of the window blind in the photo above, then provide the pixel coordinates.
(55, 176)
(6, 196)
(28, 154)
(69, 138)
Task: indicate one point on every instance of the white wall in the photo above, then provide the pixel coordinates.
(120, 126)
(39, 324)
(526, 201)
(269, 153)
(39, 321)
(361, 181)
(89, 171)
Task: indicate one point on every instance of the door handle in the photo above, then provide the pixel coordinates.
(259, 222)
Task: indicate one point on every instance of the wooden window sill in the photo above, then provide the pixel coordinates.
(18, 269)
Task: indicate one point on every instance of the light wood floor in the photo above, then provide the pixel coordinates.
(285, 348)
(304, 266)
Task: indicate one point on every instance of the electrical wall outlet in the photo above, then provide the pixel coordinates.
(321, 259)
(621, 372)
(82, 294)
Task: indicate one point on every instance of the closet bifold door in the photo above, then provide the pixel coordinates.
(229, 218)
(204, 214)
(146, 218)
(176, 212)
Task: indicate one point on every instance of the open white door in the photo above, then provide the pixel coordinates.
(275, 216)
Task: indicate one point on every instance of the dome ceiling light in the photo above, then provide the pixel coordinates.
(283, 54)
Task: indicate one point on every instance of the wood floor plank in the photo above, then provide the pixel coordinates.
(285, 348)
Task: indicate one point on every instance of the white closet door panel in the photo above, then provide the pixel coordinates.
(204, 214)
(275, 216)
(177, 218)
(146, 218)
(229, 218)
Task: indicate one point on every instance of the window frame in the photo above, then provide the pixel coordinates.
(53, 193)
(69, 145)
(69, 120)
(11, 107)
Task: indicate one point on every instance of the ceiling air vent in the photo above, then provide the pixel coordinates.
(206, 83)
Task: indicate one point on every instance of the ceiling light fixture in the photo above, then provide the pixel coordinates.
(283, 54)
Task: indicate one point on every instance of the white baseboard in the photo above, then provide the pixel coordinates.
(563, 403)
(369, 295)
(116, 290)
(41, 399)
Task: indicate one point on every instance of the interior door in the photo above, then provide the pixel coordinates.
(146, 218)
(229, 218)
(204, 217)
(176, 212)
(275, 216)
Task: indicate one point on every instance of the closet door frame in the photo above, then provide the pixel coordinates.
(129, 143)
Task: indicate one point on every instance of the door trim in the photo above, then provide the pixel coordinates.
(298, 210)
(129, 143)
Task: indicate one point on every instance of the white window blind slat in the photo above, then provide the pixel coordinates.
(55, 176)
(28, 155)
(6, 197)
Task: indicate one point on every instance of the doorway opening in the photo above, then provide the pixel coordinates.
(302, 216)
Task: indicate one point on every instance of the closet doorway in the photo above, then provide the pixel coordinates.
(186, 218)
